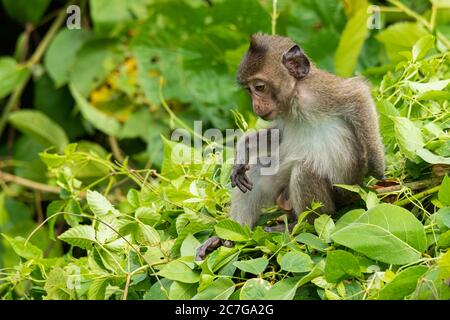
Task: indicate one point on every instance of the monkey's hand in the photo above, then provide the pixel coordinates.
(210, 245)
(239, 178)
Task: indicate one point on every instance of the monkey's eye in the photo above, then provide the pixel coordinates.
(260, 87)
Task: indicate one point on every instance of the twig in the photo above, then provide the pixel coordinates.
(127, 285)
(28, 183)
(35, 58)
(422, 20)
(12, 102)
(38, 204)
(417, 196)
(115, 149)
(415, 185)
(274, 16)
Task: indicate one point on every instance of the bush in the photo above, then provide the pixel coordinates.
(94, 206)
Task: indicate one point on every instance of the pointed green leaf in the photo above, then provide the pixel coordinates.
(255, 266)
(179, 271)
(254, 289)
(40, 127)
(81, 236)
(231, 230)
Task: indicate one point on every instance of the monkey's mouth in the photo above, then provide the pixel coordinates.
(267, 115)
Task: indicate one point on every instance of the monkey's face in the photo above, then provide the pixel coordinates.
(269, 71)
(264, 100)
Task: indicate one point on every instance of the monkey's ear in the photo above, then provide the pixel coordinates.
(296, 62)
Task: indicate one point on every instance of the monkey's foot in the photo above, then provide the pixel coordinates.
(210, 245)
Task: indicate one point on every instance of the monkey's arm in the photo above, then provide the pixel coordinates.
(247, 153)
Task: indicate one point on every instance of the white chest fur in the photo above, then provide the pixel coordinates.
(323, 145)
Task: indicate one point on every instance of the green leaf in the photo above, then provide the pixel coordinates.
(97, 289)
(182, 291)
(219, 289)
(189, 246)
(179, 271)
(444, 191)
(444, 265)
(81, 236)
(190, 222)
(221, 257)
(133, 198)
(311, 240)
(231, 230)
(108, 15)
(443, 218)
(94, 62)
(27, 251)
(403, 284)
(99, 205)
(408, 136)
(341, 265)
(254, 289)
(283, 290)
(386, 233)
(255, 266)
(324, 225)
(434, 95)
(23, 12)
(431, 286)
(61, 53)
(159, 290)
(432, 158)
(400, 37)
(296, 261)
(351, 43)
(148, 235)
(98, 119)
(37, 125)
(422, 46)
(177, 155)
(423, 87)
(11, 75)
(148, 215)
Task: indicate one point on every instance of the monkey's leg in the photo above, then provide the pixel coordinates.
(306, 186)
(246, 207)
(284, 203)
(210, 245)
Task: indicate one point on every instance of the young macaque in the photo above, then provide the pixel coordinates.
(327, 127)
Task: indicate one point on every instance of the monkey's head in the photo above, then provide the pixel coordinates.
(269, 71)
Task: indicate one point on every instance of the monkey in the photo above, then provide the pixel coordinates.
(328, 133)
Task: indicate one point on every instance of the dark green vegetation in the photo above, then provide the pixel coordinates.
(92, 205)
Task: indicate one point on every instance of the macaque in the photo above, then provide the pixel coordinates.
(327, 128)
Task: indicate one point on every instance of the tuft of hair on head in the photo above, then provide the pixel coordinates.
(256, 45)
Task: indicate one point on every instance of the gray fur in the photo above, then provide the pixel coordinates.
(329, 129)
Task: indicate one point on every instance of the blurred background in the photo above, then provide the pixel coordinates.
(109, 84)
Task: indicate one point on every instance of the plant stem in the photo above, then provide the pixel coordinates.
(12, 102)
(28, 183)
(422, 20)
(274, 16)
(114, 144)
(415, 185)
(417, 196)
(35, 58)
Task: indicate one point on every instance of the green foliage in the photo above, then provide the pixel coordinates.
(104, 206)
